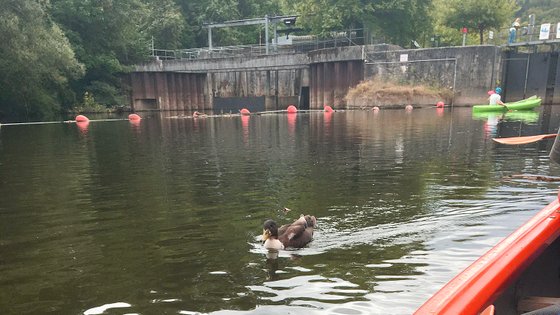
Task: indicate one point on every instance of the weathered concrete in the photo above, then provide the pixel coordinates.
(326, 75)
(467, 71)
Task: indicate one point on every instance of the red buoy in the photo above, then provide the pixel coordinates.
(82, 125)
(440, 104)
(81, 118)
(328, 109)
(245, 111)
(134, 117)
(292, 109)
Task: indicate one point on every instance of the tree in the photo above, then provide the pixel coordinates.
(37, 61)
(414, 20)
(198, 12)
(545, 11)
(479, 15)
(164, 21)
(398, 21)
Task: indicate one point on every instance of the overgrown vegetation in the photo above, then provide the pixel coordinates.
(53, 51)
(383, 93)
(88, 105)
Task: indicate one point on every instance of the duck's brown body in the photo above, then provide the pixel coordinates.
(296, 235)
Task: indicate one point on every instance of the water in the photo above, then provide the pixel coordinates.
(165, 217)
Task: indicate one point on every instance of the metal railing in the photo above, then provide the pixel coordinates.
(299, 44)
(522, 36)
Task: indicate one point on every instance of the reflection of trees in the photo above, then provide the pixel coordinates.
(171, 205)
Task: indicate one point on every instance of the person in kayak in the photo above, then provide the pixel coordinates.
(496, 99)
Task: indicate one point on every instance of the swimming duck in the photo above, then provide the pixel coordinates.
(296, 234)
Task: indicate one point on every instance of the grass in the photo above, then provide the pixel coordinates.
(385, 93)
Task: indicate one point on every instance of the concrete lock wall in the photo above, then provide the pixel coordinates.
(469, 72)
(325, 75)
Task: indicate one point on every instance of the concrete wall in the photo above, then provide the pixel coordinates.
(330, 81)
(168, 91)
(328, 73)
(468, 71)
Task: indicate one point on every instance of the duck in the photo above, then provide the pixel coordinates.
(295, 235)
(197, 114)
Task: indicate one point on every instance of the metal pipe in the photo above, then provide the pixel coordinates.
(454, 81)
(526, 76)
(210, 37)
(266, 31)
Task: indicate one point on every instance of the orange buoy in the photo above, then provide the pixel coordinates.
(328, 109)
(245, 111)
(83, 125)
(440, 104)
(81, 118)
(292, 109)
(134, 117)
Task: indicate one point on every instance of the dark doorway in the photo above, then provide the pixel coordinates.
(304, 98)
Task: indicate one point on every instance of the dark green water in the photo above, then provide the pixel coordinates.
(165, 217)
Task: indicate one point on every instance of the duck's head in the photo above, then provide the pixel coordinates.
(270, 229)
(311, 221)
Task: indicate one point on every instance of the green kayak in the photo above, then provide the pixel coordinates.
(525, 104)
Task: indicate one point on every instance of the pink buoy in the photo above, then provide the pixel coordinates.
(134, 117)
(245, 111)
(82, 125)
(328, 109)
(292, 109)
(440, 104)
(375, 109)
(408, 107)
(491, 92)
(81, 118)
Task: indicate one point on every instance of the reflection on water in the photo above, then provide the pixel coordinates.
(165, 216)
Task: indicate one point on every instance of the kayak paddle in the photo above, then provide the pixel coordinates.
(524, 140)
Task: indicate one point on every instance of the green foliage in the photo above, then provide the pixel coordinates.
(414, 21)
(53, 50)
(545, 11)
(395, 21)
(478, 15)
(106, 37)
(37, 61)
(88, 105)
(198, 12)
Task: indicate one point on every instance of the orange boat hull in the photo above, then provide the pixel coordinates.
(476, 288)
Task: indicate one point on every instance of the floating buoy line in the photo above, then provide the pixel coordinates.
(246, 112)
(78, 119)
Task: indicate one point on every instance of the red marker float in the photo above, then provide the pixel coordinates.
(245, 111)
(292, 109)
(440, 104)
(81, 118)
(328, 109)
(134, 117)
